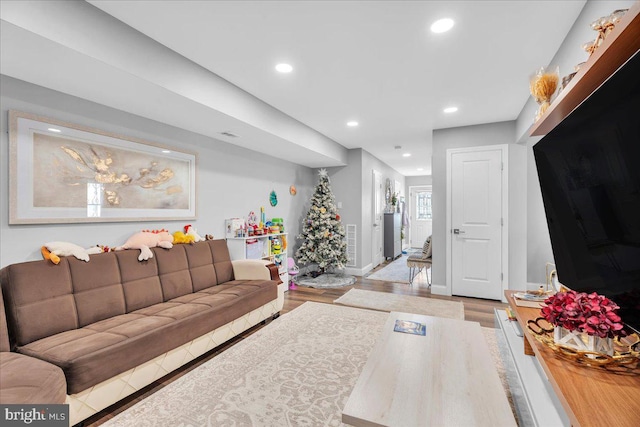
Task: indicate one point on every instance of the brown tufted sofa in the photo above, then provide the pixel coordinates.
(114, 325)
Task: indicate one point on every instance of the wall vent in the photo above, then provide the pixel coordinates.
(351, 245)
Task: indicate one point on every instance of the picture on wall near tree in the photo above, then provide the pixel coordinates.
(62, 173)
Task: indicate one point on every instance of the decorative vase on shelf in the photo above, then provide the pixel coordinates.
(581, 341)
(543, 85)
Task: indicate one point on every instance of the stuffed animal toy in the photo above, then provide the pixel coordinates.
(180, 237)
(191, 231)
(54, 250)
(208, 237)
(147, 239)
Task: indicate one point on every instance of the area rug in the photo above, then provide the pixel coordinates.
(383, 301)
(397, 271)
(326, 280)
(299, 370)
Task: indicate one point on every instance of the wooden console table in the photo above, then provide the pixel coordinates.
(590, 396)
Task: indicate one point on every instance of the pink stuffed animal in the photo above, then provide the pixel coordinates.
(148, 239)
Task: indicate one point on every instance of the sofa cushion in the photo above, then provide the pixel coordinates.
(107, 348)
(39, 298)
(221, 260)
(4, 331)
(26, 380)
(203, 272)
(97, 288)
(140, 281)
(173, 269)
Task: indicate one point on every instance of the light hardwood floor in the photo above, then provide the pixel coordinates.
(475, 310)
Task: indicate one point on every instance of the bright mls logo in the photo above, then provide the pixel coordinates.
(35, 415)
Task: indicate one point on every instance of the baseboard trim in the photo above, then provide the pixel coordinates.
(439, 290)
(358, 271)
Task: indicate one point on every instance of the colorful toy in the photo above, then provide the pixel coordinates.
(279, 222)
(191, 231)
(252, 220)
(180, 238)
(147, 239)
(276, 245)
(54, 250)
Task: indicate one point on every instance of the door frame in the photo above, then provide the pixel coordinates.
(504, 148)
(412, 206)
(376, 207)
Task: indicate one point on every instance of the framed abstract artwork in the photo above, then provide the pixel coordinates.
(64, 173)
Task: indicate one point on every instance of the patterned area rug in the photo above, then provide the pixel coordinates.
(383, 301)
(326, 280)
(297, 371)
(398, 272)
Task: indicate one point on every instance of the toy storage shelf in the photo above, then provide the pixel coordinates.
(259, 247)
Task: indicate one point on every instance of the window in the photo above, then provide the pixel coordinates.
(423, 204)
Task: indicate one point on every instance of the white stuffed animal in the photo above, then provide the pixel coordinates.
(54, 250)
(191, 231)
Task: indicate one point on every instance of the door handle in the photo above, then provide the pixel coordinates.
(458, 231)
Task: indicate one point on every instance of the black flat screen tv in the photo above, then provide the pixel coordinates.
(589, 173)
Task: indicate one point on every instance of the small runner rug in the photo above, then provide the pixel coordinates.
(383, 301)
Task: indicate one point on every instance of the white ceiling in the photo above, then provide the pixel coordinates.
(371, 61)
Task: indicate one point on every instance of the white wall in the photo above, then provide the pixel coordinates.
(352, 185)
(231, 180)
(476, 136)
(369, 164)
(568, 55)
(414, 181)
(345, 185)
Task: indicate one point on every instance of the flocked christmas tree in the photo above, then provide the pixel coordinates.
(322, 231)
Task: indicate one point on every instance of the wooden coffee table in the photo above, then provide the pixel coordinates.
(445, 378)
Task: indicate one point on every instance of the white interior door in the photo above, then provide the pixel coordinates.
(376, 231)
(476, 223)
(421, 215)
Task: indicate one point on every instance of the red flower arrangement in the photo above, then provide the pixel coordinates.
(582, 312)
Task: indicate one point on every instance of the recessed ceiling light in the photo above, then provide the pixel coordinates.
(450, 109)
(166, 151)
(442, 25)
(420, 169)
(284, 68)
(54, 130)
(352, 124)
(406, 155)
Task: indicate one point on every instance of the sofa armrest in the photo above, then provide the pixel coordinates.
(255, 269)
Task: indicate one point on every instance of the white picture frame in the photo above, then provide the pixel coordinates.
(61, 172)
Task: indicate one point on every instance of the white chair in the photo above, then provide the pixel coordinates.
(420, 261)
